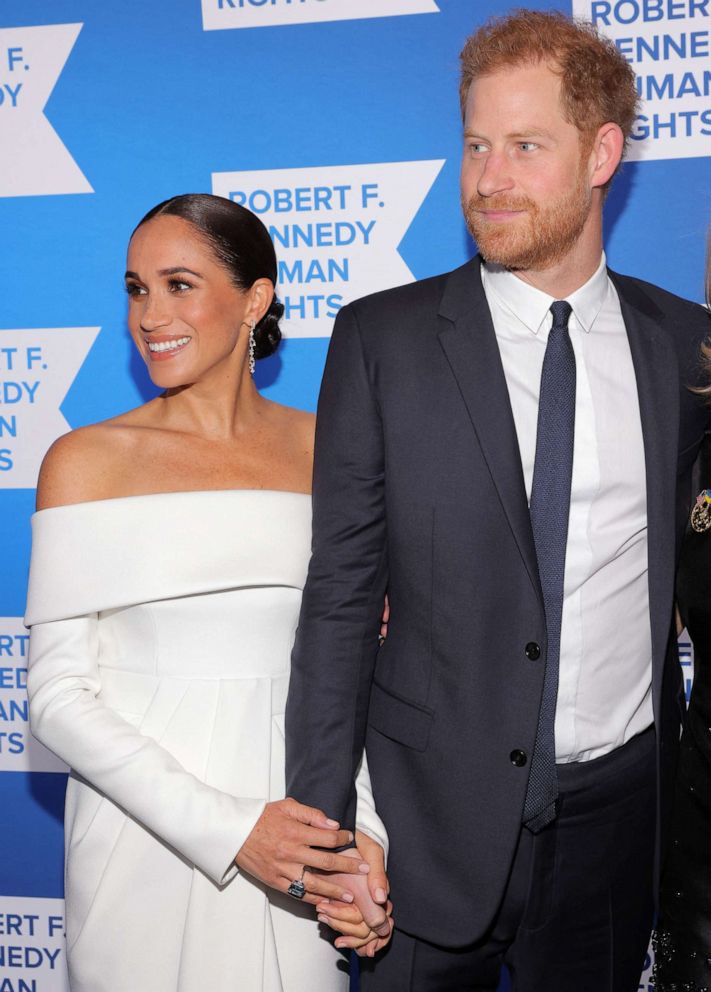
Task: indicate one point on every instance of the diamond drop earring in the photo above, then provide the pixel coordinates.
(252, 362)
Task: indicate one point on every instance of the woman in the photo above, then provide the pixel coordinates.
(683, 941)
(169, 552)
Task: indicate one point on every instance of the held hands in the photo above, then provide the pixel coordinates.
(283, 845)
(384, 620)
(366, 925)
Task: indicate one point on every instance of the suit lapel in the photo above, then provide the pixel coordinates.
(656, 370)
(469, 342)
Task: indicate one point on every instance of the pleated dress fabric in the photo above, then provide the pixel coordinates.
(161, 633)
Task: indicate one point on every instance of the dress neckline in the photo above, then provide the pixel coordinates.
(173, 493)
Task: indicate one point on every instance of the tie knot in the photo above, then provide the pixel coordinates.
(561, 311)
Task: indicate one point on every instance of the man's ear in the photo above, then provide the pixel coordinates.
(606, 153)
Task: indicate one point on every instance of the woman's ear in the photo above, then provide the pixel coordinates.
(259, 297)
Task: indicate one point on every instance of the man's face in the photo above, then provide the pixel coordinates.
(526, 191)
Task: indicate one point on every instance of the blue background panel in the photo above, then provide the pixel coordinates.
(150, 105)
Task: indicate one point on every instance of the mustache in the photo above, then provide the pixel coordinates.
(477, 202)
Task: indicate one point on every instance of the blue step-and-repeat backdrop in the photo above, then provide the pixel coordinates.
(337, 121)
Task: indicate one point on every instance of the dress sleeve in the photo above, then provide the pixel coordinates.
(367, 818)
(205, 825)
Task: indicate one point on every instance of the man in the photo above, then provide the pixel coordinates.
(503, 448)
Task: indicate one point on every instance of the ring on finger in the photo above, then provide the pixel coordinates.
(297, 889)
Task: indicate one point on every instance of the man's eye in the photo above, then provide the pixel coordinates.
(527, 146)
(476, 147)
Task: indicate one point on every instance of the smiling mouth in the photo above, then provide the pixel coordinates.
(167, 347)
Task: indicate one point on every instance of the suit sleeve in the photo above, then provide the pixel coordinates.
(205, 825)
(337, 638)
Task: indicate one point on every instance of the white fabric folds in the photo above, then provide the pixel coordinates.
(161, 633)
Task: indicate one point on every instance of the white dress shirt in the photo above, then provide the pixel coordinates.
(605, 681)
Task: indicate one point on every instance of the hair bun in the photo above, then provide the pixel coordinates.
(267, 333)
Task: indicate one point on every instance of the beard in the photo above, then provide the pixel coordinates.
(537, 239)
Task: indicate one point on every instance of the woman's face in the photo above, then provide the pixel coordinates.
(185, 314)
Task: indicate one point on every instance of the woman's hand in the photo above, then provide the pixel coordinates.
(284, 842)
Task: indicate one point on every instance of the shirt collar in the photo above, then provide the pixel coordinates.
(531, 306)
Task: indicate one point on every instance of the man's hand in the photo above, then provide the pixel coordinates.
(284, 841)
(372, 905)
(354, 932)
(364, 935)
(372, 853)
(385, 620)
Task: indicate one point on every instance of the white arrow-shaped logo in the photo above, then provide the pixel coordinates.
(336, 230)
(33, 159)
(19, 750)
(218, 14)
(37, 367)
(667, 45)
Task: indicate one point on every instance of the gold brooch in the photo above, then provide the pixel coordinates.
(701, 514)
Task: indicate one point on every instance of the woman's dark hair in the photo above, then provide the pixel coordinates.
(241, 244)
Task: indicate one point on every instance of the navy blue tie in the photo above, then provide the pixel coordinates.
(550, 508)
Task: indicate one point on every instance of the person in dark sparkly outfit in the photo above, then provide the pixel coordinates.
(683, 940)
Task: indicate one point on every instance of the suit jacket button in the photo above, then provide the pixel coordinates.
(518, 758)
(533, 651)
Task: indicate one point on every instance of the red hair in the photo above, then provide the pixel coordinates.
(597, 82)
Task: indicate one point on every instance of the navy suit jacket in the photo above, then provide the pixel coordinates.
(418, 488)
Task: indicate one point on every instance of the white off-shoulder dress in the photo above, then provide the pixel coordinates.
(161, 632)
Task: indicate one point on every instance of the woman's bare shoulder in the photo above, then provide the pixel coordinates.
(84, 464)
(300, 423)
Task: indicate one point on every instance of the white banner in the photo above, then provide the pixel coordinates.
(32, 945)
(336, 230)
(668, 44)
(37, 367)
(33, 159)
(217, 14)
(19, 751)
